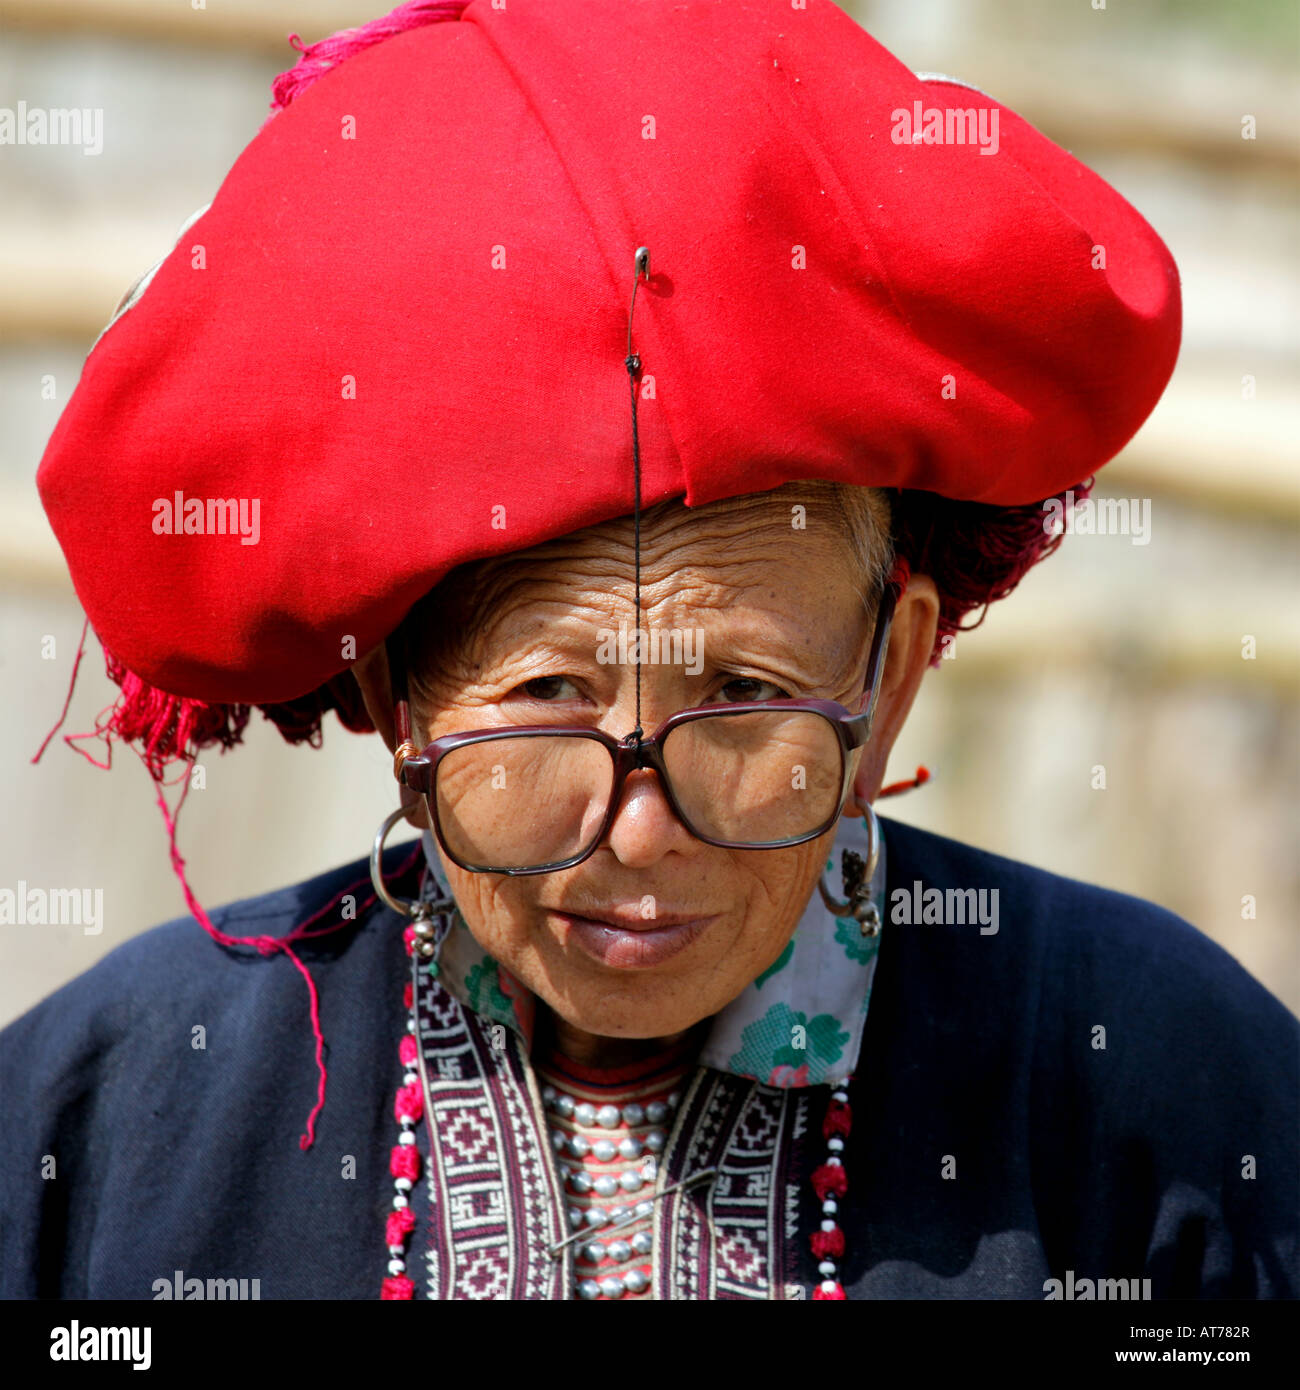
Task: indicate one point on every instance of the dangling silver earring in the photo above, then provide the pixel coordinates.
(423, 914)
(857, 875)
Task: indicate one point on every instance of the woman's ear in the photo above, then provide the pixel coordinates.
(911, 640)
(371, 674)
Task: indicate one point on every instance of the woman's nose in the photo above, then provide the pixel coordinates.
(645, 828)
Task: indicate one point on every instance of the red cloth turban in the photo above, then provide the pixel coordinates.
(396, 339)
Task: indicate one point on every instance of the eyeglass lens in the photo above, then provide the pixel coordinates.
(754, 778)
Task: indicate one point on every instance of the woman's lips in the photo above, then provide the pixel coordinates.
(628, 948)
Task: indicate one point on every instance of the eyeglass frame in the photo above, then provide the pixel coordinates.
(417, 772)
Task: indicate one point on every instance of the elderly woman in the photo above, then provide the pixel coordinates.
(619, 408)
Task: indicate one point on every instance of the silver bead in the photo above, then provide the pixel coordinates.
(575, 1218)
(579, 1147)
(564, 1107)
(655, 1141)
(580, 1181)
(612, 1287)
(595, 1251)
(588, 1288)
(606, 1185)
(631, 1182)
(656, 1112)
(644, 1208)
(604, 1150)
(585, 1114)
(558, 1140)
(594, 1216)
(617, 1213)
(620, 1250)
(633, 1114)
(608, 1117)
(643, 1242)
(629, 1147)
(674, 1100)
(548, 1095)
(634, 1281)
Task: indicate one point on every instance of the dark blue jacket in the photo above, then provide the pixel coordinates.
(995, 1145)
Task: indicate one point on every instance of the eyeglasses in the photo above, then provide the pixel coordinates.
(535, 799)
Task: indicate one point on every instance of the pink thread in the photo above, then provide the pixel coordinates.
(67, 699)
(318, 58)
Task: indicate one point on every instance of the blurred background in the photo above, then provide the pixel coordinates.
(1131, 657)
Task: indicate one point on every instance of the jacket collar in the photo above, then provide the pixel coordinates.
(799, 1023)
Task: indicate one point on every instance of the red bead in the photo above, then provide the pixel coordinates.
(407, 1048)
(410, 1102)
(828, 1245)
(399, 1286)
(407, 996)
(830, 1180)
(836, 1293)
(404, 1162)
(838, 1119)
(400, 1225)
(408, 939)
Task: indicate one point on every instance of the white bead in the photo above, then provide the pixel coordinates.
(402, 1184)
(395, 1250)
(629, 1147)
(608, 1117)
(841, 1096)
(612, 1287)
(595, 1217)
(620, 1250)
(406, 1121)
(830, 1206)
(635, 1280)
(631, 1182)
(588, 1288)
(643, 1242)
(834, 1162)
(397, 1266)
(604, 1150)
(585, 1114)
(410, 1078)
(633, 1114)
(828, 1225)
(606, 1185)
(827, 1268)
(406, 1137)
(400, 1203)
(410, 1025)
(828, 1286)
(835, 1145)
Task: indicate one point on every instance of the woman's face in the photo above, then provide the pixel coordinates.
(777, 615)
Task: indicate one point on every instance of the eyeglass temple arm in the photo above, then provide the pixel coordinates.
(405, 748)
(894, 587)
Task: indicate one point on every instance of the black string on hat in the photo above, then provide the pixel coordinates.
(633, 364)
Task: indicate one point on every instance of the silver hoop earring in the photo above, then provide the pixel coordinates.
(857, 876)
(421, 914)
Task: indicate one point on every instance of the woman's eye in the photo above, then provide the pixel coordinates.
(548, 687)
(744, 689)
